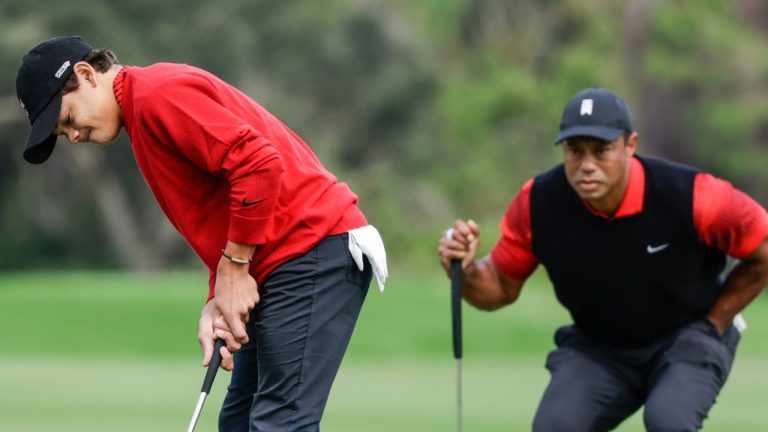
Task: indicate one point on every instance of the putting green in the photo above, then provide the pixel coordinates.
(94, 351)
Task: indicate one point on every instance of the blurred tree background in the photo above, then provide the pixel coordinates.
(430, 109)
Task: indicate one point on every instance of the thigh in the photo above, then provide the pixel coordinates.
(688, 377)
(303, 325)
(584, 394)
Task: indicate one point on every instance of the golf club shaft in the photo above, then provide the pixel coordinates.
(459, 421)
(456, 279)
(196, 413)
(210, 374)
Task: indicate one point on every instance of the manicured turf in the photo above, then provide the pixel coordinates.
(114, 351)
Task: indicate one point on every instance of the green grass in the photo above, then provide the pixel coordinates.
(117, 351)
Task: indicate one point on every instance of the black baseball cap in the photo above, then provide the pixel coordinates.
(42, 74)
(595, 112)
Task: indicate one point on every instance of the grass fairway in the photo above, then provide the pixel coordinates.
(114, 351)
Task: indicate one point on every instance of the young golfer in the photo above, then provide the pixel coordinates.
(634, 247)
(290, 253)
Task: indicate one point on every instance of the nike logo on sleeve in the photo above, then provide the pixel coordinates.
(247, 203)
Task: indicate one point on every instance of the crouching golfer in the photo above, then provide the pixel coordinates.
(290, 253)
(634, 247)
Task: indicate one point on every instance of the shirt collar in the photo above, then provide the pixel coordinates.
(632, 203)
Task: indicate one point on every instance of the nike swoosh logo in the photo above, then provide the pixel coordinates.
(247, 203)
(653, 249)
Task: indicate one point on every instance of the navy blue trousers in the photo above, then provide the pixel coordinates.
(594, 387)
(298, 334)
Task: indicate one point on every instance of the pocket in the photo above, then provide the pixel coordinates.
(700, 343)
(357, 277)
(730, 338)
(565, 334)
(711, 329)
(354, 275)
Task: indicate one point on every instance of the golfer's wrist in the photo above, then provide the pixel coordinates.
(472, 269)
(234, 259)
(227, 268)
(237, 254)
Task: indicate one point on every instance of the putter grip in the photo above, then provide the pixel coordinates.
(213, 366)
(456, 306)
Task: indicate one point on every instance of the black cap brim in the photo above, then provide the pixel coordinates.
(599, 132)
(41, 142)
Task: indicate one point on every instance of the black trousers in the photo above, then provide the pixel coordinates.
(594, 387)
(298, 334)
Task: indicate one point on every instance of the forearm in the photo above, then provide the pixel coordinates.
(255, 179)
(743, 284)
(485, 288)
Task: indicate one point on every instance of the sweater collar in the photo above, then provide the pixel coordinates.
(117, 86)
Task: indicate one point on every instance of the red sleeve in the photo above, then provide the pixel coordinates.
(727, 218)
(513, 254)
(254, 171)
(191, 118)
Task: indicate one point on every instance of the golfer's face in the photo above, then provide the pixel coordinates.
(89, 114)
(598, 170)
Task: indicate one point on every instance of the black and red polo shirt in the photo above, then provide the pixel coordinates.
(653, 266)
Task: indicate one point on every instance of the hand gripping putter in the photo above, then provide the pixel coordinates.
(213, 367)
(456, 319)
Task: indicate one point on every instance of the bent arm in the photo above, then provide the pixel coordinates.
(495, 280)
(744, 283)
(487, 288)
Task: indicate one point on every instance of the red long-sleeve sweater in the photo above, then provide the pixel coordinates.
(223, 168)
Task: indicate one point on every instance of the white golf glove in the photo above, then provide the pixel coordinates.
(367, 241)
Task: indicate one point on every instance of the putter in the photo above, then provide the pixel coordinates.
(456, 319)
(213, 367)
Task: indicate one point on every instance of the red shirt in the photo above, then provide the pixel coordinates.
(223, 168)
(724, 217)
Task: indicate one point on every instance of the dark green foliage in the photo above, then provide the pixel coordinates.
(431, 110)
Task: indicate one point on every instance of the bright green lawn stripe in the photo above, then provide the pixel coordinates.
(123, 314)
(413, 396)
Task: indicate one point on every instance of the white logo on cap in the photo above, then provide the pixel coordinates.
(63, 68)
(586, 107)
(24, 107)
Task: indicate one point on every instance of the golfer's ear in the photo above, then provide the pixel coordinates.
(632, 141)
(86, 74)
